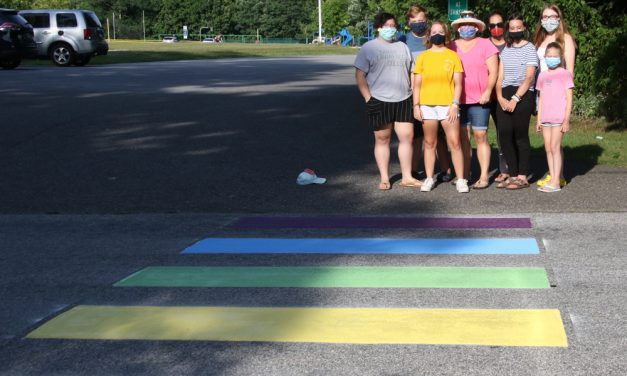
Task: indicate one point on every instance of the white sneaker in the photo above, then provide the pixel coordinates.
(427, 184)
(462, 185)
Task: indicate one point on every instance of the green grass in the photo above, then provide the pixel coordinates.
(581, 143)
(130, 51)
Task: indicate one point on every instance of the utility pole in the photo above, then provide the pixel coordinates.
(320, 21)
(113, 25)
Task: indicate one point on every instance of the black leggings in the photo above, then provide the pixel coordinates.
(514, 131)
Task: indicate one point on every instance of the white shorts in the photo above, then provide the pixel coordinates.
(434, 112)
(551, 124)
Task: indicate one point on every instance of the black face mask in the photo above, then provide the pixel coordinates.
(418, 28)
(517, 35)
(438, 39)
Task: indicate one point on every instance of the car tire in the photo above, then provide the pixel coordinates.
(11, 63)
(62, 54)
(81, 60)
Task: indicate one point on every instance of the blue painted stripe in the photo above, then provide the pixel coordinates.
(505, 246)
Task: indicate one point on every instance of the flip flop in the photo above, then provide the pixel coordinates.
(411, 184)
(480, 185)
(501, 178)
(547, 188)
(517, 184)
(385, 186)
(504, 183)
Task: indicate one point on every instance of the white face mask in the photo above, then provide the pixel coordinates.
(550, 25)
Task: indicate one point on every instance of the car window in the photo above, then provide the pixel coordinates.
(66, 20)
(37, 20)
(91, 20)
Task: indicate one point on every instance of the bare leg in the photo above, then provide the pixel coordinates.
(431, 141)
(405, 134)
(464, 138)
(443, 158)
(382, 151)
(452, 136)
(556, 149)
(483, 154)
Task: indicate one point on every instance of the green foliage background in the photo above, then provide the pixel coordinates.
(599, 28)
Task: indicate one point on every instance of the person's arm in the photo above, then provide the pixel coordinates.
(530, 73)
(493, 66)
(416, 82)
(362, 84)
(499, 88)
(569, 53)
(569, 107)
(453, 109)
(539, 115)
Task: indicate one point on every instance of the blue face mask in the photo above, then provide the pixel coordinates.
(387, 33)
(550, 25)
(418, 28)
(467, 32)
(553, 62)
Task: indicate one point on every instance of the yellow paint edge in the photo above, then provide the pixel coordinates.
(489, 327)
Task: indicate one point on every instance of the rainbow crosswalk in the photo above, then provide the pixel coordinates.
(537, 327)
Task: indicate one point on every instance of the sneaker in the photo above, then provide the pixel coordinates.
(563, 182)
(462, 185)
(544, 180)
(427, 185)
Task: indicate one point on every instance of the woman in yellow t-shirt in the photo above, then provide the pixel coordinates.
(437, 88)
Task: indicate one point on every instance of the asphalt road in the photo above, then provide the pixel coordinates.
(220, 137)
(108, 169)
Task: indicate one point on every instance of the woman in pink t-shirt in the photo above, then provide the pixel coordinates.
(556, 101)
(480, 60)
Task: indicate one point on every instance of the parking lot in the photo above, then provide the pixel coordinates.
(107, 170)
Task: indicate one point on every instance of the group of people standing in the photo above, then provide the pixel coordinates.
(439, 93)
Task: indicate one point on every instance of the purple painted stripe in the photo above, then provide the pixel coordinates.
(377, 222)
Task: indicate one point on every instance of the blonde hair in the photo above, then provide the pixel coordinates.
(562, 29)
(447, 34)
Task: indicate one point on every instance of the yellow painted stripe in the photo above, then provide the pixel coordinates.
(493, 327)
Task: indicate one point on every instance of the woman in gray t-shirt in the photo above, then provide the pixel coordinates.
(382, 72)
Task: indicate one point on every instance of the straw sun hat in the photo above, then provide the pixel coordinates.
(465, 17)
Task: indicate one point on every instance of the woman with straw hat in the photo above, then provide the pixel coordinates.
(480, 62)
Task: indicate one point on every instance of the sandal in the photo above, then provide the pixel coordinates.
(517, 184)
(501, 178)
(411, 184)
(504, 183)
(480, 185)
(385, 186)
(547, 188)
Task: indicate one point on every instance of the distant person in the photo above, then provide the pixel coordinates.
(480, 62)
(383, 78)
(496, 26)
(552, 28)
(515, 93)
(418, 21)
(437, 90)
(555, 104)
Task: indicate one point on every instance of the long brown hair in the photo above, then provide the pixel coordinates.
(562, 29)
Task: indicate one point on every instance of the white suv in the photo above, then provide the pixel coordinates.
(67, 36)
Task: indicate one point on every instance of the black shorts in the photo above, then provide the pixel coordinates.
(382, 113)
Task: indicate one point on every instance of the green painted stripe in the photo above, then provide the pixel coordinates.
(342, 277)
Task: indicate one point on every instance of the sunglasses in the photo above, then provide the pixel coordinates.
(492, 26)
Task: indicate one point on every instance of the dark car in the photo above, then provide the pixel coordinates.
(16, 39)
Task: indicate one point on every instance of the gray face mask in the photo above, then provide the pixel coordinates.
(550, 25)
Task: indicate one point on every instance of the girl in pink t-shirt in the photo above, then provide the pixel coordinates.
(555, 104)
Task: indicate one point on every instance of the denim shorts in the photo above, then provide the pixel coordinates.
(477, 115)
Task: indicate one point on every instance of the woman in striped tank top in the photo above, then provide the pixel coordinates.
(514, 92)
